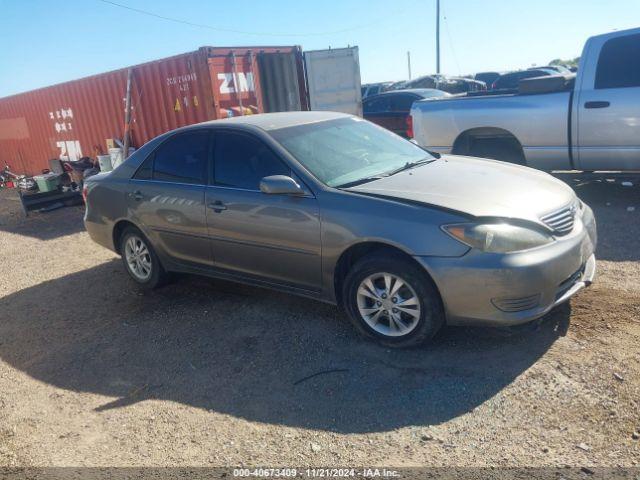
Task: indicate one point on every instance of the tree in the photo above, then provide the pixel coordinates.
(567, 63)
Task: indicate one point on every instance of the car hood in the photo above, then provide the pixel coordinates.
(478, 187)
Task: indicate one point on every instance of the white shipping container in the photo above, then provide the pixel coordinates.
(333, 79)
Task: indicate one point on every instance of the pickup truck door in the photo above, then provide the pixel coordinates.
(608, 105)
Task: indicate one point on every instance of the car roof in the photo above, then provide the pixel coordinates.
(275, 121)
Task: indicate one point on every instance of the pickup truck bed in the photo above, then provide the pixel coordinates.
(588, 123)
(511, 115)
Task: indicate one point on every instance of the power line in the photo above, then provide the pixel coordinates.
(453, 50)
(242, 32)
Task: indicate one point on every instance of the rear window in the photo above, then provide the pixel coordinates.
(619, 63)
(376, 104)
(145, 172)
(402, 103)
(512, 80)
(181, 159)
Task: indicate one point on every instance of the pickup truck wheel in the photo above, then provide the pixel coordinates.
(390, 299)
(505, 150)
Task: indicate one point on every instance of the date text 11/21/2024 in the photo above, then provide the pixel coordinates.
(317, 472)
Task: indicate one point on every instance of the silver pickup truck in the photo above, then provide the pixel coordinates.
(589, 122)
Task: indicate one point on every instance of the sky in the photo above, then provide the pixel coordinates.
(43, 42)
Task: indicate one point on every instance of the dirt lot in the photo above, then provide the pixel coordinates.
(202, 372)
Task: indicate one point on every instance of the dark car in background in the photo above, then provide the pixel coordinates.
(391, 109)
(487, 77)
(510, 81)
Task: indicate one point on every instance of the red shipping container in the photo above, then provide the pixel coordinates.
(75, 119)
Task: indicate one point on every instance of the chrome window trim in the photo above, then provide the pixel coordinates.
(168, 182)
(306, 195)
(239, 189)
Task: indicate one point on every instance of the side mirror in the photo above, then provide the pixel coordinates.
(280, 185)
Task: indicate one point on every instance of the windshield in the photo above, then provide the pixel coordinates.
(347, 150)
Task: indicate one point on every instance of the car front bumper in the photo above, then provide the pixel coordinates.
(510, 289)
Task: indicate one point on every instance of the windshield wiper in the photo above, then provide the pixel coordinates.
(360, 181)
(410, 165)
(406, 166)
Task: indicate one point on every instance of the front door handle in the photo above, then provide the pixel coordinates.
(217, 206)
(137, 195)
(597, 104)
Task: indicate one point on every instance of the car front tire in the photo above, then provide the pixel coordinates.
(390, 299)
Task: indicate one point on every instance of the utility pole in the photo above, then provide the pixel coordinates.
(438, 37)
(409, 63)
(127, 117)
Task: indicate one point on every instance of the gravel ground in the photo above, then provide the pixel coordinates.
(203, 372)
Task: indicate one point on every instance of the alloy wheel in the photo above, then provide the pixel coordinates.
(138, 258)
(388, 304)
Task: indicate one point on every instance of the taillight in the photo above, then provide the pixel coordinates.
(84, 194)
(409, 126)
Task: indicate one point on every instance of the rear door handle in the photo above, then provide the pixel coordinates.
(597, 104)
(217, 206)
(137, 195)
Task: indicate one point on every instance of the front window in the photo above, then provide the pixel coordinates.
(241, 161)
(376, 104)
(348, 150)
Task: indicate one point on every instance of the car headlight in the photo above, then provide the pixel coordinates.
(497, 237)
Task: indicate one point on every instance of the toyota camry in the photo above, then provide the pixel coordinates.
(337, 209)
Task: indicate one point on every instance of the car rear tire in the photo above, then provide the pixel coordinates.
(390, 299)
(140, 260)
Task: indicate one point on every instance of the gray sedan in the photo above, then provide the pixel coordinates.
(337, 209)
